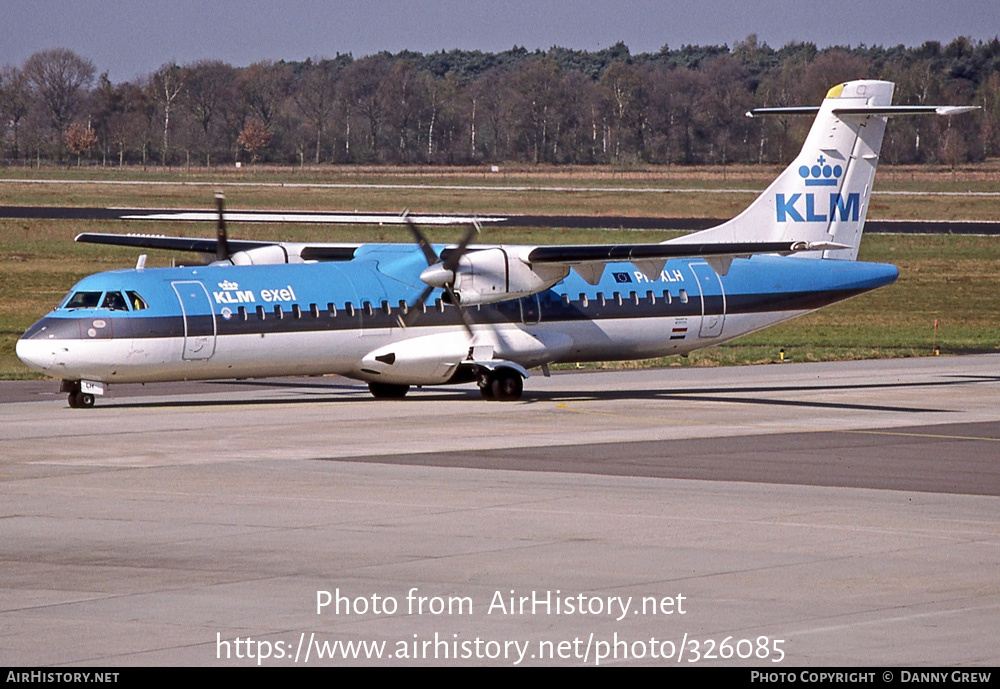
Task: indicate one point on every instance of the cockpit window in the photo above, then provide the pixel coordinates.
(84, 300)
(137, 302)
(114, 301)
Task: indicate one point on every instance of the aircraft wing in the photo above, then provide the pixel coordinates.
(306, 252)
(603, 253)
(159, 241)
(589, 260)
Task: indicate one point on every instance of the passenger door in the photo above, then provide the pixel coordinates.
(199, 319)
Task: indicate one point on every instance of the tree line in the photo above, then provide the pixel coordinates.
(677, 106)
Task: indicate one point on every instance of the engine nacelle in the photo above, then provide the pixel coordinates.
(262, 256)
(428, 360)
(498, 274)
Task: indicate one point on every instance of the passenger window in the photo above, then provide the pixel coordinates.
(242, 311)
(114, 301)
(314, 310)
(260, 312)
(278, 312)
(296, 311)
(137, 302)
(331, 309)
(683, 296)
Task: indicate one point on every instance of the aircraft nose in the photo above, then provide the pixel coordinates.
(35, 350)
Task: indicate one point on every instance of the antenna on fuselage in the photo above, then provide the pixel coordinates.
(221, 241)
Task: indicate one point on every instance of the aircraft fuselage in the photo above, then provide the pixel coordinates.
(212, 322)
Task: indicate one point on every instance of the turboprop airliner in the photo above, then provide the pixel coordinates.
(402, 315)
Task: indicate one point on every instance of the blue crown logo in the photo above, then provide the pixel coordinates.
(822, 174)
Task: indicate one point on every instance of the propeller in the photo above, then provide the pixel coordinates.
(221, 243)
(437, 270)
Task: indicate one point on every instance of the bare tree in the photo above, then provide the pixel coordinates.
(208, 85)
(60, 79)
(316, 97)
(624, 86)
(168, 83)
(264, 86)
(15, 103)
(364, 89)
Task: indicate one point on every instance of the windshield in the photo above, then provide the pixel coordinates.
(113, 301)
(84, 300)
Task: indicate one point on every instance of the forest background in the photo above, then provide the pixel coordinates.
(680, 106)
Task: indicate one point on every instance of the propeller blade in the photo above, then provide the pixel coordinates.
(422, 242)
(466, 318)
(456, 254)
(221, 242)
(415, 309)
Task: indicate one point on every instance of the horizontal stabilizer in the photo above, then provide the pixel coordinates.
(865, 111)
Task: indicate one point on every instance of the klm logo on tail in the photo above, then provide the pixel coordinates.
(807, 207)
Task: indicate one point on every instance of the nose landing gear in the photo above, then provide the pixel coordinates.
(81, 400)
(81, 394)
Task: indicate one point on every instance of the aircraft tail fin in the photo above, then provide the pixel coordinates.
(823, 195)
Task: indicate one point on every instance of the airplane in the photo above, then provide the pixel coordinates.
(402, 315)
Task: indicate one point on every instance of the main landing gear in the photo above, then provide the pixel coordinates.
(388, 391)
(503, 384)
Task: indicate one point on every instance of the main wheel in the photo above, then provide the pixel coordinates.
(388, 391)
(485, 383)
(507, 385)
(74, 399)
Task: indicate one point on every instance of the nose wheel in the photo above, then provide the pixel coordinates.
(78, 399)
(81, 400)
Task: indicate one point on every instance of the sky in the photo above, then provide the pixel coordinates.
(132, 38)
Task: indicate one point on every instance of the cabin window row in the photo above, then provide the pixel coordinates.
(633, 298)
(368, 309)
(332, 310)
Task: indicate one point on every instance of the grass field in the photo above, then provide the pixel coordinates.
(950, 279)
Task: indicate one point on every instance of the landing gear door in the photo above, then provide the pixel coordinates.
(713, 299)
(199, 319)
